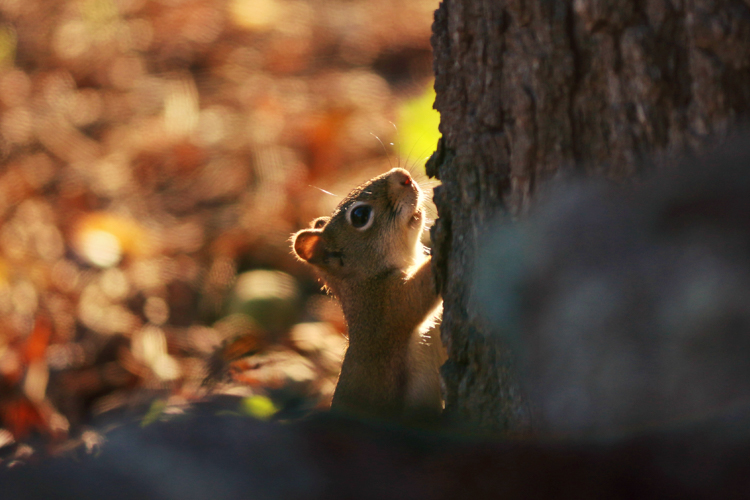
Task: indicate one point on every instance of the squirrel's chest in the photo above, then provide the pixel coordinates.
(374, 375)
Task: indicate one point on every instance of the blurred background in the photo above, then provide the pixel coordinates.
(156, 157)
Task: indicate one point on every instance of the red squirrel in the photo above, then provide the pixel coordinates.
(370, 256)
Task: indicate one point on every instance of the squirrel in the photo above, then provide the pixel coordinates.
(371, 259)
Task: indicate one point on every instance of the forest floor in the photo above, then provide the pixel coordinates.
(156, 157)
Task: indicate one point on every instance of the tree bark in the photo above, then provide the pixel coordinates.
(527, 87)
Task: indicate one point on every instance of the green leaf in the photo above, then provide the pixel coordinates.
(418, 127)
(154, 412)
(259, 407)
(8, 43)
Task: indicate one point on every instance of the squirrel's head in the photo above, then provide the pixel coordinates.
(375, 229)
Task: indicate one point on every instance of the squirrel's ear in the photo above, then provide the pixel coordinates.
(308, 245)
(320, 222)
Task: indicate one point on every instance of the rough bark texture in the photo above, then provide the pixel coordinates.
(525, 87)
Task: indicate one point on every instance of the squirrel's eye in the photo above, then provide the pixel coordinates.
(360, 216)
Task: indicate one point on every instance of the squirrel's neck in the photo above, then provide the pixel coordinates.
(372, 308)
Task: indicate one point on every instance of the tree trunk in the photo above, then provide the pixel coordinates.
(525, 87)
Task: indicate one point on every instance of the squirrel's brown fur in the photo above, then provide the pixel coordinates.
(370, 255)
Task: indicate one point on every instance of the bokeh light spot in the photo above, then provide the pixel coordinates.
(101, 248)
(257, 15)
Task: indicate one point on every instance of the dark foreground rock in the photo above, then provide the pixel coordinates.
(203, 456)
